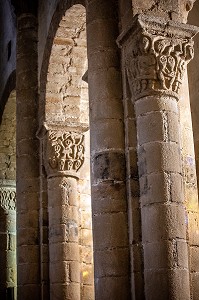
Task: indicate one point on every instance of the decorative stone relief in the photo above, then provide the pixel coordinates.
(158, 63)
(156, 55)
(7, 198)
(66, 150)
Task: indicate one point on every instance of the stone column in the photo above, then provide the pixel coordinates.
(8, 273)
(155, 55)
(63, 156)
(27, 160)
(108, 189)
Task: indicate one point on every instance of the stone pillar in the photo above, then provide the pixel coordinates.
(63, 157)
(8, 273)
(108, 189)
(155, 55)
(27, 161)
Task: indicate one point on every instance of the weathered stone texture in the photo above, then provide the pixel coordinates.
(106, 170)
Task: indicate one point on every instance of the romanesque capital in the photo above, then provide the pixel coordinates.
(63, 149)
(156, 55)
(7, 197)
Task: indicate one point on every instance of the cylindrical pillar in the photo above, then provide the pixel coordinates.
(63, 157)
(108, 190)
(155, 62)
(27, 162)
(63, 238)
(8, 274)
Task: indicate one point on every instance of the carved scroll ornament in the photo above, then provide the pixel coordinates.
(66, 151)
(157, 63)
(7, 198)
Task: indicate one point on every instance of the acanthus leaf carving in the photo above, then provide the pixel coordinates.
(66, 150)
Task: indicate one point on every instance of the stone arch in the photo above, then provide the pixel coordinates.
(64, 110)
(8, 280)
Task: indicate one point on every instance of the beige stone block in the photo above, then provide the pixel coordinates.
(112, 262)
(59, 272)
(111, 230)
(106, 58)
(155, 188)
(87, 274)
(156, 284)
(63, 215)
(86, 221)
(87, 292)
(27, 236)
(28, 219)
(64, 232)
(182, 254)
(64, 190)
(27, 188)
(65, 291)
(64, 252)
(159, 157)
(155, 103)
(105, 85)
(108, 197)
(86, 237)
(103, 38)
(194, 259)
(151, 127)
(172, 216)
(28, 253)
(193, 218)
(195, 285)
(179, 282)
(74, 271)
(87, 254)
(28, 274)
(113, 108)
(24, 291)
(116, 288)
(104, 137)
(108, 166)
(173, 127)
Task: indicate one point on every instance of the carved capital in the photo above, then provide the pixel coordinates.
(64, 151)
(8, 198)
(156, 55)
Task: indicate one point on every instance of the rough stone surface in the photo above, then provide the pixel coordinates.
(106, 150)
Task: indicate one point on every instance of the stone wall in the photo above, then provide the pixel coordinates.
(8, 274)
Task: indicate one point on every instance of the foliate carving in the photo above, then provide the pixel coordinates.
(157, 63)
(7, 198)
(66, 150)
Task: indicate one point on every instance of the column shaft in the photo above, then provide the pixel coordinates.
(162, 200)
(63, 238)
(108, 191)
(155, 62)
(27, 164)
(8, 272)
